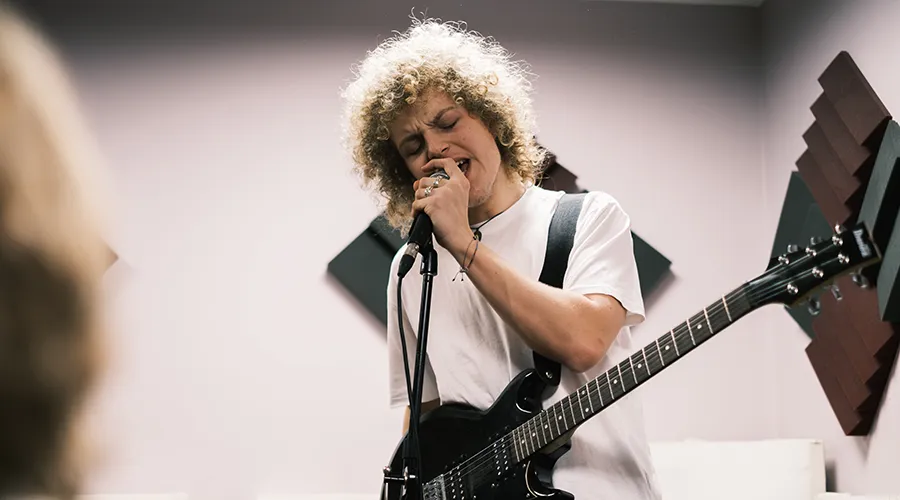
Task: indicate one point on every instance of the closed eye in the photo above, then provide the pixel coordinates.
(448, 126)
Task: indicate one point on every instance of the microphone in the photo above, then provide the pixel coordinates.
(419, 233)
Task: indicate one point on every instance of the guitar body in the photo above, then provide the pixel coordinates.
(452, 433)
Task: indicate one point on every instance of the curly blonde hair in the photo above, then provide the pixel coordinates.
(52, 261)
(474, 70)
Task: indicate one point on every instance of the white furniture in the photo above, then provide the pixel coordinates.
(845, 496)
(740, 470)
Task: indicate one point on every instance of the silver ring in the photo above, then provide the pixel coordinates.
(436, 182)
(428, 191)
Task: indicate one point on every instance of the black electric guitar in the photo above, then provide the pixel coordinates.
(508, 451)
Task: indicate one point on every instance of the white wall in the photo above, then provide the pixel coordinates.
(802, 37)
(242, 369)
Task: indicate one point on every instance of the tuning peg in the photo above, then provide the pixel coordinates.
(813, 306)
(839, 229)
(836, 292)
(860, 280)
(815, 240)
(792, 248)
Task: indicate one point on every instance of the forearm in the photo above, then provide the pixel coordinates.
(562, 325)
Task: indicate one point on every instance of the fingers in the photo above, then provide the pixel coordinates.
(421, 205)
(447, 164)
(452, 169)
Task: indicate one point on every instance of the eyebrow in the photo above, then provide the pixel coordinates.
(437, 117)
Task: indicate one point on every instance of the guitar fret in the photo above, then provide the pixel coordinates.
(587, 393)
(520, 438)
(674, 342)
(633, 371)
(706, 315)
(660, 354)
(725, 303)
(526, 441)
(548, 426)
(556, 419)
(581, 405)
(547, 432)
(516, 447)
(619, 369)
(646, 364)
(612, 397)
(541, 439)
(599, 393)
(688, 323)
(668, 356)
(572, 410)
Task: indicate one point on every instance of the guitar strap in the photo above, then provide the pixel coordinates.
(560, 238)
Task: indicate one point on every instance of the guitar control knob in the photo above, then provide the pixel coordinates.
(836, 292)
(860, 280)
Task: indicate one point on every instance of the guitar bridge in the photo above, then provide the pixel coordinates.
(435, 489)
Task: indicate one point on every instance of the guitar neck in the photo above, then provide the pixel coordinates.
(614, 384)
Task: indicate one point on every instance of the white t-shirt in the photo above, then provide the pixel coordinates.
(472, 354)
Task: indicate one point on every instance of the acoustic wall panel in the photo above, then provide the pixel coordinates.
(848, 170)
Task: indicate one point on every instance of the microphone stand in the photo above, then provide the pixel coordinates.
(411, 480)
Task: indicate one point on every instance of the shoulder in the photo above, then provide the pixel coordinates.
(601, 203)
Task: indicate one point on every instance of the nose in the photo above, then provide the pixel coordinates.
(437, 151)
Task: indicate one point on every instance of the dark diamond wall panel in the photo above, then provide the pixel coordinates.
(849, 173)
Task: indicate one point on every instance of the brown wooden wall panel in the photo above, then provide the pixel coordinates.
(852, 155)
(845, 186)
(852, 422)
(844, 333)
(860, 306)
(835, 211)
(854, 388)
(851, 149)
(855, 101)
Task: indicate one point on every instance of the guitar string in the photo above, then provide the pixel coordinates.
(683, 331)
(566, 405)
(476, 471)
(474, 465)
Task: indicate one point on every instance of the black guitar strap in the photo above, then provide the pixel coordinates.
(560, 239)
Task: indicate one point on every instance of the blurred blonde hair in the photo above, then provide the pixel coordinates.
(52, 260)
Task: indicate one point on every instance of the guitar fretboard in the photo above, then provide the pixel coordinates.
(591, 398)
(614, 384)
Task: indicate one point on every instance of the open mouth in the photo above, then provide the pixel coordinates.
(463, 166)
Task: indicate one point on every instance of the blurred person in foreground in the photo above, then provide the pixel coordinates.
(52, 260)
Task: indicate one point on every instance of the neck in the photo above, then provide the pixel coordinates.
(506, 191)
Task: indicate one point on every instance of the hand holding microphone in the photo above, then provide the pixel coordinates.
(441, 208)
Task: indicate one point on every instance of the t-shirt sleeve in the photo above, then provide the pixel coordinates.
(396, 369)
(602, 257)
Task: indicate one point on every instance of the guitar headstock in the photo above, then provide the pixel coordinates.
(798, 273)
